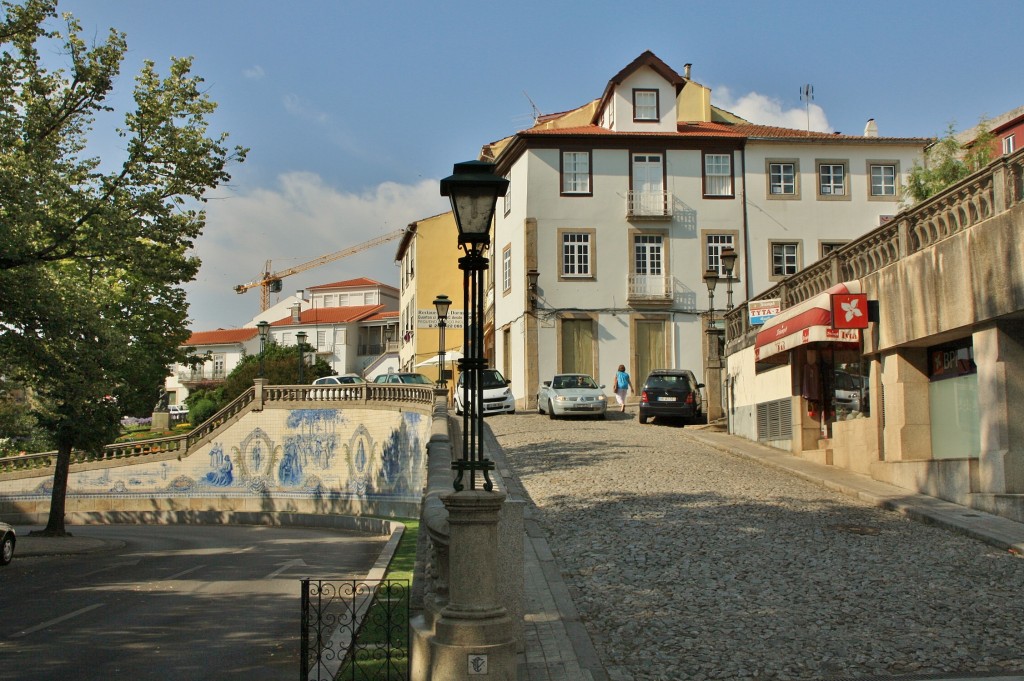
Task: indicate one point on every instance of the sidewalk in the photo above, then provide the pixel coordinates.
(557, 643)
(60, 546)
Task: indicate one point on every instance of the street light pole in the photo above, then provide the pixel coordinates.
(264, 329)
(474, 190)
(711, 279)
(300, 341)
(441, 305)
(728, 258)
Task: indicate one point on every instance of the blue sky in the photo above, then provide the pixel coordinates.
(354, 110)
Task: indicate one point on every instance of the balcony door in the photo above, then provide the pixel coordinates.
(648, 267)
(650, 348)
(648, 184)
(578, 346)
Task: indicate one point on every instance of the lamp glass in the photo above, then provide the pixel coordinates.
(728, 258)
(264, 329)
(441, 305)
(300, 338)
(474, 190)
(711, 279)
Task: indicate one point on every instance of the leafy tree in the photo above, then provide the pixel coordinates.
(280, 367)
(95, 250)
(947, 162)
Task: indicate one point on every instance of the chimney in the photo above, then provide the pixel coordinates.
(871, 128)
(686, 71)
(296, 313)
(298, 294)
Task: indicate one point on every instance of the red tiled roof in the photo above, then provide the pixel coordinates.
(221, 336)
(361, 282)
(331, 315)
(753, 131)
(382, 316)
(721, 131)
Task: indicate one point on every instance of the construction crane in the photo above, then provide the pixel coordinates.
(270, 282)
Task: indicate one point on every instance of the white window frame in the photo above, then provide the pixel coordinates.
(506, 268)
(646, 105)
(576, 254)
(649, 255)
(785, 187)
(789, 252)
(828, 187)
(576, 173)
(1009, 144)
(508, 195)
(714, 244)
(882, 185)
(718, 171)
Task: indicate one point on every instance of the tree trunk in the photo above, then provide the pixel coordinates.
(55, 524)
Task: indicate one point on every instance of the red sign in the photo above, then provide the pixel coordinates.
(849, 311)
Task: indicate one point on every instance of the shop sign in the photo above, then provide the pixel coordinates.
(761, 311)
(849, 311)
(951, 360)
(427, 319)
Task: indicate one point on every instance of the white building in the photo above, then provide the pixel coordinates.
(621, 205)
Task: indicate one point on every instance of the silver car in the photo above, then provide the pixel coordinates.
(572, 395)
(9, 538)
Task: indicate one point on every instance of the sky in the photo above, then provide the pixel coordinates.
(354, 110)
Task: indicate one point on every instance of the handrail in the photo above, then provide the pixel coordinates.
(990, 191)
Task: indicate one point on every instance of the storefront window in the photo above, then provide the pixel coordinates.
(953, 401)
(850, 385)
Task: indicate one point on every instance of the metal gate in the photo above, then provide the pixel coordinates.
(355, 629)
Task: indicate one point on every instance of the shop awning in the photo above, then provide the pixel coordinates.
(806, 322)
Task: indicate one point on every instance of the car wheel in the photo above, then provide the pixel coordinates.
(8, 550)
(551, 411)
(642, 418)
(540, 407)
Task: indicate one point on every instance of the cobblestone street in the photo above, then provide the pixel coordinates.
(686, 562)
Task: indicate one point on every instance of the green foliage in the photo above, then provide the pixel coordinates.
(947, 162)
(95, 250)
(19, 428)
(280, 367)
(202, 410)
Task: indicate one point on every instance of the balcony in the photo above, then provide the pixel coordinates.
(647, 288)
(199, 376)
(649, 205)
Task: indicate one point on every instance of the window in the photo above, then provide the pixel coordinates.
(576, 254)
(576, 172)
(714, 244)
(508, 195)
(321, 340)
(827, 247)
(219, 364)
(831, 179)
(645, 105)
(647, 255)
(506, 269)
(1009, 144)
(781, 179)
(883, 180)
(328, 300)
(785, 259)
(717, 175)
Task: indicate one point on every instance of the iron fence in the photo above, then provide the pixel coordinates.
(355, 629)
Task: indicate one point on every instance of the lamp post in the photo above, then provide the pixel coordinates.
(531, 278)
(474, 190)
(300, 341)
(728, 258)
(711, 279)
(264, 329)
(441, 305)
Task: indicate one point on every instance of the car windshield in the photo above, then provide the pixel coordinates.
(489, 378)
(416, 378)
(563, 382)
(669, 382)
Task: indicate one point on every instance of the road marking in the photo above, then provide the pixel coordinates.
(298, 562)
(112, 566)
(184, 572)
(58, 620)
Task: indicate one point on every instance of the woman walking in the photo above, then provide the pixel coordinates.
(622, 386)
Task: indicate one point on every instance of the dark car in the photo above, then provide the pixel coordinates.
(9, 539)
(672, 393)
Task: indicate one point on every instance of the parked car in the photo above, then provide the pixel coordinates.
(9, 538)
(344, 379)
(851, 392)
(178, 409)
(572, 395)
(497, 397)
(403, 377)
(671, 393)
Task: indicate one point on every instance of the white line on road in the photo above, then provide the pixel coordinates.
(287, 566)
(58, 620)
(184, 572)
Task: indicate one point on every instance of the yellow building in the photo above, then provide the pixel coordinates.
(429, 259)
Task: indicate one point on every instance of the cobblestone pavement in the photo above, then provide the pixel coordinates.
(688, 563)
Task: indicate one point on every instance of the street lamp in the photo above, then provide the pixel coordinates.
(474, 190)
(264, 329)
(441, 305)
(300, 341)
(728, 258)
(532, 277)
(711, 279)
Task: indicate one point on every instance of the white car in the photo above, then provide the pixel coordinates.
(572, 395)
(498, 398)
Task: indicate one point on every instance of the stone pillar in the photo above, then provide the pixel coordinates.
(161, 420)
(908, 433)
(474, 635)
(999, 355)
(257, 402)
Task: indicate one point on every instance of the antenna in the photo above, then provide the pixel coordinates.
(536, 112)
(807, 96)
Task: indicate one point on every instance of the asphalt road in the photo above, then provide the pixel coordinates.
(175, 603)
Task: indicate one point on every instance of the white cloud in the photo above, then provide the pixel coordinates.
(765, 110)
(294, 105)
(254, 72)
(292, 223)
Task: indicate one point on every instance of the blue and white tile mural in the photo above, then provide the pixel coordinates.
(321, 453)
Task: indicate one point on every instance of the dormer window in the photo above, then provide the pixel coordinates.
(645, 105)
